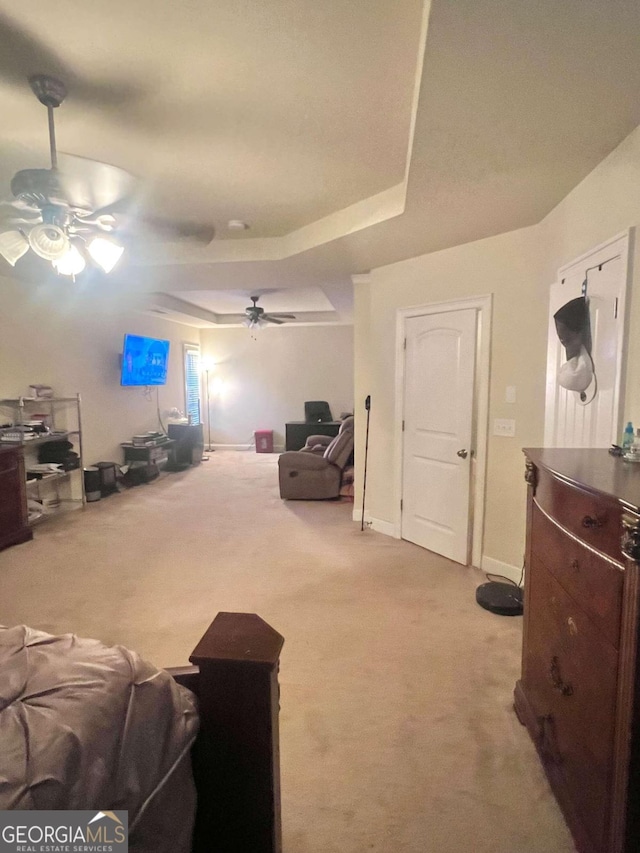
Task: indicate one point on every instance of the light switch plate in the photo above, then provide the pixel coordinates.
(510, 394)
(505, 427)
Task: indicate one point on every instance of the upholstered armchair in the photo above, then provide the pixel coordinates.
(315, 472)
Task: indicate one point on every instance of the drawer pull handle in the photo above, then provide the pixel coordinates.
(592, 523)
(575, 565)
(556, 679)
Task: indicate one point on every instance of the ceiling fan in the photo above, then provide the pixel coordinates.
(255, 316)
(76, 210)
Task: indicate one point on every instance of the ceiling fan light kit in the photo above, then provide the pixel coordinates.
(71, 263)
(48, 241)
(64, 236)
(105, 252)
(13, 245)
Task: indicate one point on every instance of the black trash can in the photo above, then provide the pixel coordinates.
(92, 484)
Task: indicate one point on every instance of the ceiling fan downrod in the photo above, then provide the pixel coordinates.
(51, 92)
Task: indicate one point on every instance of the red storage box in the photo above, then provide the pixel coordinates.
(264, 440)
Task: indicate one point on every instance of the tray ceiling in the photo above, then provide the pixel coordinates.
(348, 135)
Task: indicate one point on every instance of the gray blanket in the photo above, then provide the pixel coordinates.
(87, 726)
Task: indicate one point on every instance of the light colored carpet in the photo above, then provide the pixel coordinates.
(397, 728)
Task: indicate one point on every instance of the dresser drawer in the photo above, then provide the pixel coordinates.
(593, 582)
(570, 678)
(596, 519)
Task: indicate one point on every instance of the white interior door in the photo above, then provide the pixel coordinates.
(438, 431)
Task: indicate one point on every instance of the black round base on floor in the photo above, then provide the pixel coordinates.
(505, 599)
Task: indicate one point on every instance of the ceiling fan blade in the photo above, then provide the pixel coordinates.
(91, 185)
(178, 230)
(22, 54)
(129, 216)
(19, 210)
(282, 316)
(271, 319)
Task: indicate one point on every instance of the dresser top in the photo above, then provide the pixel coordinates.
(592, 468)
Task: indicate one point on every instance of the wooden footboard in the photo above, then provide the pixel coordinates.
(236, 761)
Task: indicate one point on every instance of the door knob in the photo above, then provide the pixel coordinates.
(462, 453)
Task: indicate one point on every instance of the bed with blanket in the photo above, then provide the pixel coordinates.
(190, 753)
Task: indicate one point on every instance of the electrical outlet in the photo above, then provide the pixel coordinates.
(505, 427)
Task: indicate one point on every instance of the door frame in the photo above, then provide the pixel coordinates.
(483, 306)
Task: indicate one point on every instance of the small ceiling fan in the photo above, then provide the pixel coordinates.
(76, 210)
(255, 316)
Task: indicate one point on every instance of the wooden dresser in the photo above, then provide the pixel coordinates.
(579, 693)
(14, 526)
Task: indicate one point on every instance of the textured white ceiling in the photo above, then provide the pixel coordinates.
(276, 112)
(297, 300)
(350, 135)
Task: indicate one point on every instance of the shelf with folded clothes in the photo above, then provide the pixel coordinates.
(9, 435)
(49, 431)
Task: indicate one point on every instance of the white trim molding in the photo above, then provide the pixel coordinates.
(495, 567)
(377, 524)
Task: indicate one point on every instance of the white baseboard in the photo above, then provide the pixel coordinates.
(276, 449)
(488, 564)
(495, 567)
(377, 524)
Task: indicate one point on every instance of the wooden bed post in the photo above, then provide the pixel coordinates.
(236, 757)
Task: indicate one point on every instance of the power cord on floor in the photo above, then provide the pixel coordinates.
(490, 577)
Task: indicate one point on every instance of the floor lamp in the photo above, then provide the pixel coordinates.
(209, 448)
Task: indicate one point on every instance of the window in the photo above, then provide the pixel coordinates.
(192, 383)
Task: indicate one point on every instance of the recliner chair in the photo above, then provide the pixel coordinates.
(315, 472)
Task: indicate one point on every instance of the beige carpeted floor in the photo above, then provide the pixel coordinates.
(397, 728)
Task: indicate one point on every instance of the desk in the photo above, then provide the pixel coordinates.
(297, 432)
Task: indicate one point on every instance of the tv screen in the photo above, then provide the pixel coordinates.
(144, 361)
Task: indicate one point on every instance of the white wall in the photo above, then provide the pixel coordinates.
(605, 204)
(506, 266)
(72, 340)
(262, 383)
(517, 268)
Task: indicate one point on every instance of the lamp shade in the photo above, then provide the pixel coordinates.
(105, 252)
(48, 241)
(13, 245)
(71, 263)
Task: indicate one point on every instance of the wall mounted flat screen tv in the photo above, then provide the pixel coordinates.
(144, 361)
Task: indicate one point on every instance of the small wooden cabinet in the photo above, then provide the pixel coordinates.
(579, 693)
(14, 526)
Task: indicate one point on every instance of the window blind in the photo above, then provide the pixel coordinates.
(192, 384)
